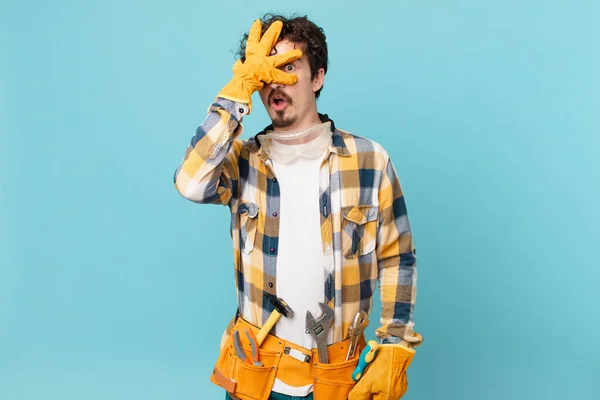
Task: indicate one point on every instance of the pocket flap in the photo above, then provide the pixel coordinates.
(360, 214)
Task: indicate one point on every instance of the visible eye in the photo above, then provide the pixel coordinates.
(288, 68)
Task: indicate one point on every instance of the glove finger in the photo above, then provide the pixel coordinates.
(279, 76)
(360, 391)
(285, 58)
(267, 42)
(253, 37)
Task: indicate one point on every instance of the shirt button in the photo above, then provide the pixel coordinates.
(275, 213)
(270, 284)
(274, 179)
(272, 249)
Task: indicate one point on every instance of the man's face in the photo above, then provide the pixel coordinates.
(292, 106)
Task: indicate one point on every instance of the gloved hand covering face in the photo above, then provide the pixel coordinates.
(385, 378)
(259, 67)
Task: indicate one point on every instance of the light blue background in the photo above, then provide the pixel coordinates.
(114, 287)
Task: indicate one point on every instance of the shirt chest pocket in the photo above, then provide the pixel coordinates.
(248, 217)
(359, 230)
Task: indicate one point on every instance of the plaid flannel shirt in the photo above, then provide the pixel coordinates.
(365, 230)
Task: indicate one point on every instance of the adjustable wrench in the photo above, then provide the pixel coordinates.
(361, 321)
(319, 328)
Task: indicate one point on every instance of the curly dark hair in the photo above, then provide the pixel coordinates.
(298, 30)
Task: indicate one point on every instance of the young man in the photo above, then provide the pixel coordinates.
(318, 216)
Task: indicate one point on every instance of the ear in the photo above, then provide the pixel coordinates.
(318, 80)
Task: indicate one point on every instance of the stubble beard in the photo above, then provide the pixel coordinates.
(280, 120)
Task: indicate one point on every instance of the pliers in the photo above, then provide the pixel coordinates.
(237, 343)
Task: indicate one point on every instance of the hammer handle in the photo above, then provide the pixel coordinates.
(266, 328)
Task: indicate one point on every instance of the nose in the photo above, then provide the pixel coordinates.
(274, 85)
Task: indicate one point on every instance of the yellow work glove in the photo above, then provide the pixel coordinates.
(385, 377)
(259, 67)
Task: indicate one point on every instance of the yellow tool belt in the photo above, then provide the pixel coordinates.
(290, 363)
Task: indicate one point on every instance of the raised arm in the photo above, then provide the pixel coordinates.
(209, 170)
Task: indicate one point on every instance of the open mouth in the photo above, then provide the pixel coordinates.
(279, 103)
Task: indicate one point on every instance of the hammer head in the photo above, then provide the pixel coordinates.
(280, 305)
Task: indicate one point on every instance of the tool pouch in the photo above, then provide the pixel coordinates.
(245, 381)
(332, 381)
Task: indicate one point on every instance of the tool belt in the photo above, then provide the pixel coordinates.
(290, 363)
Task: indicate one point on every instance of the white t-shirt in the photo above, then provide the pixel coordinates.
(300, 260)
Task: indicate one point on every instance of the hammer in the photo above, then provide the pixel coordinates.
(281, 308)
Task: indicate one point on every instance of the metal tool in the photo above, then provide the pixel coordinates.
(319, 328)
(237, 343)
(254, 346)
(366, 357)
(281, 308)
(361, 321)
